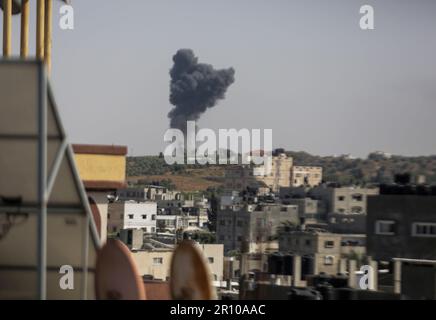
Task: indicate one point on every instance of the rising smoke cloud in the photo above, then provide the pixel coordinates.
(195, 87)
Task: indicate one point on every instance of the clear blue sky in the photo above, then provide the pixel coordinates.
(303, 68)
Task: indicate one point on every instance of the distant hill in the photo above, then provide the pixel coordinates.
(154, 170)
(376, 168)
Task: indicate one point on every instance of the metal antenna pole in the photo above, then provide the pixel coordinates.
(42, 185)
(48, 33)
(40, 22)
(24, 41)
(7, 28)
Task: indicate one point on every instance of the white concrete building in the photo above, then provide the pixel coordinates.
(132, 215)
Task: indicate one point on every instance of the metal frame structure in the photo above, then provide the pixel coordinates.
(46, 180)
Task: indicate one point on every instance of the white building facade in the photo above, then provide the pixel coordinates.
(132, 215)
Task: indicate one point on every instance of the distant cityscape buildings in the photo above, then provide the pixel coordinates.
(288, 226)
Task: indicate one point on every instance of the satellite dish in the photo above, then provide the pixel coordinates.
(190, 277)
(116, 276)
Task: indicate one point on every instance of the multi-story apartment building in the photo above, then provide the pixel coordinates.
(132, 215)
(166, 222)
(307, 208)
(307, 176)
(323, 248)
(344, 200)
(273, 174)
(240, 227)
(180, 213)
(402, 225)
(345, 207)
(401, 228)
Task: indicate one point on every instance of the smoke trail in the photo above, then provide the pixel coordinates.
(195, 87)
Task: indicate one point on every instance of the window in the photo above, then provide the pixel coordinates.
(424, 229)
(158, 260)
(308, 242)
(341, 198)
(357, 197)
(153, 229)
(385, 227)
(144, 216)
(222, 222)
(239, 238)
(329, 260)
(210, 259)
(130, 216)
(356, 209)
(239, 223)
(153, 217)
(329, 244)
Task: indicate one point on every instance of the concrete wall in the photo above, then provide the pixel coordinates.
(102, 205)
(347, 223)
(101, 167)
(231, 228)
(214, 254)
(155, 263)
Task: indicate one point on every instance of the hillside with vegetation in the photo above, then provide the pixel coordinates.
(376, 168)
(154, 170)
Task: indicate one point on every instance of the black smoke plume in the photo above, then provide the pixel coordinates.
(194, 88)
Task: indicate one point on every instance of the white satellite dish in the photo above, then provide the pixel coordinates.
(116, 275)
(190, 276)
